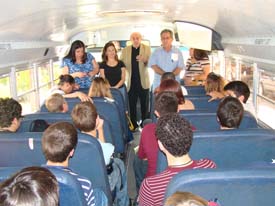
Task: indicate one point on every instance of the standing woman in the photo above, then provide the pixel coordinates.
(79, 64)
(111, 68)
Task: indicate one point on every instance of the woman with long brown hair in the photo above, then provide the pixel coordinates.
(111, 68)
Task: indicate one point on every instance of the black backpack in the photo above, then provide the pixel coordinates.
(38, 125)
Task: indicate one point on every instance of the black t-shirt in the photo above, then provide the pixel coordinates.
(113, 74)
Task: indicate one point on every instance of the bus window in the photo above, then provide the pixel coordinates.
(5, 86)
(217, 62)
(266, 98)
(24, 86)
(44, 80)
(230, 69)
(57, 71)
(26, 91)
(28, 102)
(43, 74)
(246, 72)
(267, 84)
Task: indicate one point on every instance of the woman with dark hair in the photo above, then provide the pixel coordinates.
(81, 65)
(66, 87)
(111, 68)
(197, 67)
(171, 85)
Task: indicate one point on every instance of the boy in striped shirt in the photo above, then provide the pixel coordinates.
(174, 136)
(58, 144)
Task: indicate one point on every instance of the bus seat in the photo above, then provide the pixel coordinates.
(118, 96)
(230, 148)
(230, 187)
(60, 117)
(207, 121)
(70, 191)
(124, 93)
(84, 90)
(195, 90)
(120, 102)
(202, 103)
(71, 103)
(110, 110)
(24, 149)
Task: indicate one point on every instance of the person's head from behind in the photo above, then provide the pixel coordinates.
(100, 88)
(165, 102)
(238, 89)
(185, 199)
(214, 83)
(56, 103)
(58, 142)
(174, 134)
(170, 85)
(109, 51)
(66, 83)
(77, 51)
(85, 116)
(32, 186)
(200, 54)
(10, 114)
(167, 75)
(136, 39)
(230, 113)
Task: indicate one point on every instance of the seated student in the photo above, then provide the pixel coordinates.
(58, 144)
(214, 84)
(170, 75)
(171, 85)
(86, 119)
(230, 113)
(189, 199)
(56, 103)
(165, 102)
(66, 87)
(240, 90)
(10, 115)
(174, 136)
(100, 87)
(30, 186)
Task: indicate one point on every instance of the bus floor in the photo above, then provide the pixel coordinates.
(129, 165)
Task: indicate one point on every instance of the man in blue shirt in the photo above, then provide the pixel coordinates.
(166, 58)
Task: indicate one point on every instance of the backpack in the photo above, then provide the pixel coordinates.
(38, 125)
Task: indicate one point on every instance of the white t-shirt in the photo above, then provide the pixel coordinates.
(108, 150)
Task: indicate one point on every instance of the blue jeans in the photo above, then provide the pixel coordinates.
(140, 168)
(100, 197)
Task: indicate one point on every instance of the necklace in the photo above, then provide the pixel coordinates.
(180, 165)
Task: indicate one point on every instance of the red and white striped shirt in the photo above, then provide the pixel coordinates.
(153, 188)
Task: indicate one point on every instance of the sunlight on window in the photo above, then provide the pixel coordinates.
(24, 81)
(5, 87)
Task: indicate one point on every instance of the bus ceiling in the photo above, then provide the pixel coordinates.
(245, 27)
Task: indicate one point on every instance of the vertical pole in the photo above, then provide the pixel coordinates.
(13, 83)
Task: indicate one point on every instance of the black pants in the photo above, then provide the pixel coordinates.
(134, 94)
